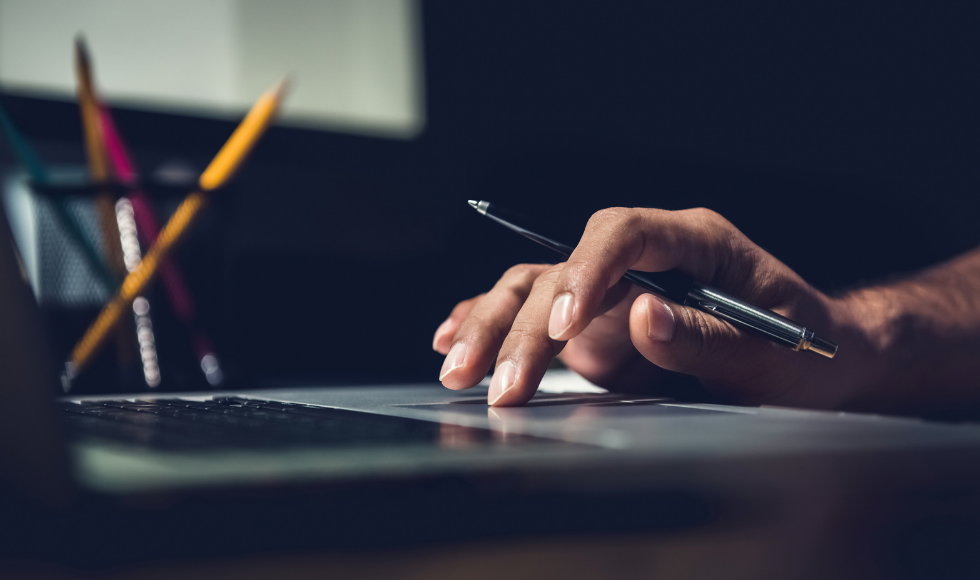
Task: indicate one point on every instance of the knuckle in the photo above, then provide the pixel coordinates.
(464, 307)
(702, 334)
(483, 325)
(708, 217)
(519, 272)
(699, 334)
(522, 332)
(460, 308)
(528, 339)
(721, 237)
(469, 302)
(702, 212)
(549, 277)
(518, 280)
(614, 229)
(708, 340)
(611, 217)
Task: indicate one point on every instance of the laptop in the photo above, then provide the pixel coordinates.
(104, 480)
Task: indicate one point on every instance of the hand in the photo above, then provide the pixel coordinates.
(618, 336)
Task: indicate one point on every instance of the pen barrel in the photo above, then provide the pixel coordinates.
(682, 289)
(672, 284)
(745, 316)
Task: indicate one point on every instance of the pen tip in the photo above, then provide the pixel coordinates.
(480, 206)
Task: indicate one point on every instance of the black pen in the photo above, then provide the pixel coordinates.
(683, 289)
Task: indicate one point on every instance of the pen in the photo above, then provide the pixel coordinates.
(683, 289)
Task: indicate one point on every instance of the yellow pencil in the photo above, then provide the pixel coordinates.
(96, 153)
(221, 168)
(99, 168)
(94, 143)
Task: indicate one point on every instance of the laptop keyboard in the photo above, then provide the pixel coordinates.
(234, 422)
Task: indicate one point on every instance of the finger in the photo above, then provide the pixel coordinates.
(615, 240)
(682, 339)
(527, 350)
(600, 353)
(443, 338)
(479, 336)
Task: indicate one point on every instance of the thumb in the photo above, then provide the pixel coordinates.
(685, 340)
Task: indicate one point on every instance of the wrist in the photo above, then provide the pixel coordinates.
(885, 364)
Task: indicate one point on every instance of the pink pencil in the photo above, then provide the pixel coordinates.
(147, 229)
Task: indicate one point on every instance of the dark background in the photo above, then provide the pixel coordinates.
(842, 137)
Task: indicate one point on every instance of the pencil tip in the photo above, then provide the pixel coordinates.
(80, 46)
(81, 51)
(475, 204)
(280, 87)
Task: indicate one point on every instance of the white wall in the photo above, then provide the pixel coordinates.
(355, 65)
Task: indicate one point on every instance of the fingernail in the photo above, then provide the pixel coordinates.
(561, 316)
(503, 379)
(454, 360)
(443, 329)
(660, 320)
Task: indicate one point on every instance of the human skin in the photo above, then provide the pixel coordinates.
(905, 345)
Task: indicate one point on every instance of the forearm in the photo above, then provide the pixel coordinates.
(923, 338)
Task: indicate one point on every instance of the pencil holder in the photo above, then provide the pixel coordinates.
(77, 240)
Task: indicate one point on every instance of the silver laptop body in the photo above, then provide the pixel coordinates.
(568, 437)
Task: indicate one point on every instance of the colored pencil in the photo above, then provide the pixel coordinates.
(126, 351)
(219, 171)
(95, 151)
(148, 229)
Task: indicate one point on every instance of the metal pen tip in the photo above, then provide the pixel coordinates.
(480, 206)
(822, 347)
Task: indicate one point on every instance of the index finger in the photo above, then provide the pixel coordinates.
(698, 241)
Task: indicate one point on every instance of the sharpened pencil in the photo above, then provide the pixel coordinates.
(99, 170)
(95, 151)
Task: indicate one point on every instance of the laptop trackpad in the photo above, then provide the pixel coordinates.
(552, 403)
